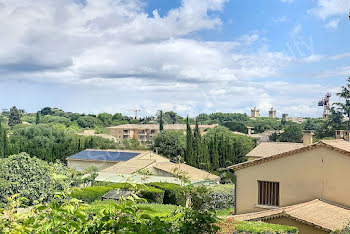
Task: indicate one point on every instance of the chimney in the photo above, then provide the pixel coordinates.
(339, 134)
(307, 137)
(347, 135)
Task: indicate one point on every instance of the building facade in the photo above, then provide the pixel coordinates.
(145, 133)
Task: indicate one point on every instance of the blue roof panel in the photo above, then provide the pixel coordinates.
(103, 155)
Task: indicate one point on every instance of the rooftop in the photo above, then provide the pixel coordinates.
(321, 214)
(192, 172)
(266, 149)
(338, 145)
(103, 155)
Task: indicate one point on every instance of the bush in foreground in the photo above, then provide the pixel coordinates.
(73, 216)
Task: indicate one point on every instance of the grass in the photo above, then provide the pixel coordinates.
(230, 225)
(224, 212)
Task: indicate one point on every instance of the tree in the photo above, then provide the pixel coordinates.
(196, 146)
(189, 149)
(37, 119)
(292, 133)
(161, 121)
(170, 143)
(344, 108)
(15, 117)
(105, 118)
(3, 141)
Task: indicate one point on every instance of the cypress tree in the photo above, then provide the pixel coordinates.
(3, 141)
(189, 149)
(215, 153)
(196, 146)
(37, 119)
(161, 121)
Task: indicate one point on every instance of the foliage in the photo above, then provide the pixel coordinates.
(173, 193)
(344, 108)
(134, 145)
(15, 117)
(161, 121)
(292, 133)
(50, 143)
(236, 126)
(226, 148)
(170, 143)
(94, 193)
(88, 121)
(37, 118)
(3, 141)
(30, 177)
(73, 216)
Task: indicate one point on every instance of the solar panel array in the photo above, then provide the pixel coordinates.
(103, 155)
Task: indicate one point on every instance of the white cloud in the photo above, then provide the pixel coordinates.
(329, 8)
(340, 56)
(121, 56)
(333, 24)
(287, 1)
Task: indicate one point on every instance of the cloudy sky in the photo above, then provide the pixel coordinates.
(189, 56)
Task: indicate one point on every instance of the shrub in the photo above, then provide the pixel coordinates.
(90, 194)
(174, 193)
(28, 176)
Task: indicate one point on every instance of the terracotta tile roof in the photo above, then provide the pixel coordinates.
(137, 163)
(340, 146)
(192, 172)
(266, 149)
(129, 167)
(319, 213)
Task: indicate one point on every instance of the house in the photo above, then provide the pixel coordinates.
(120, 165)
(267, 149)
(292, 179)
(145, 133)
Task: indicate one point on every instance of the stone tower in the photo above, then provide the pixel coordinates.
(255, 113)
(272, 113)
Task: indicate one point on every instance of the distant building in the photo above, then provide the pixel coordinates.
(255, 113)
(145, 133)
(272, 113)
(284, 117)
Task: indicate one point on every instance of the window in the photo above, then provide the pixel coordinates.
(268, 193)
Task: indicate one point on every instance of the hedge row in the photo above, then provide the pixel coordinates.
(174, 193)
(90, 194)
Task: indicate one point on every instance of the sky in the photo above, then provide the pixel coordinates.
(187, 56)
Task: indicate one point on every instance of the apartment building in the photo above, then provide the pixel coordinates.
(145, 133)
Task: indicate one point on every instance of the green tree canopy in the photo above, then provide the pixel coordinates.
(15, 117)
(170, 143)
(292, 133)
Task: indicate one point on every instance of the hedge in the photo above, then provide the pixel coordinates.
(90, 194)
(174, 193)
